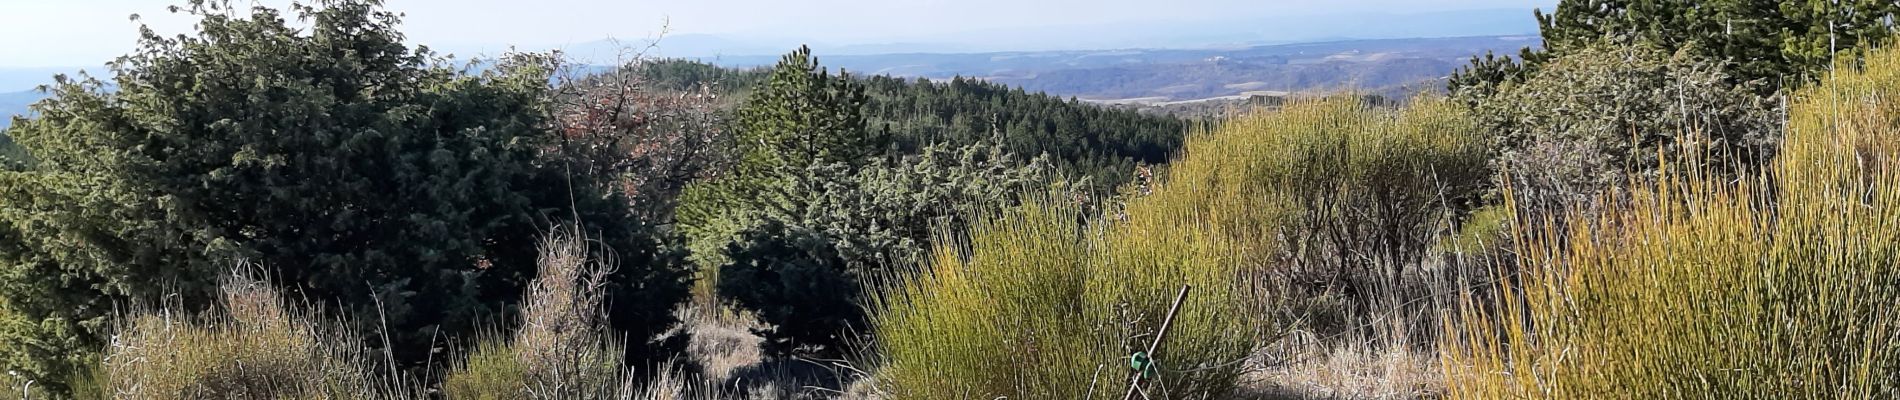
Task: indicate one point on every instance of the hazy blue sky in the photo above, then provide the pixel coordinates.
(88, 32)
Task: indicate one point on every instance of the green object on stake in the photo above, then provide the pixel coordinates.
(1140, 360)
(1141, 363)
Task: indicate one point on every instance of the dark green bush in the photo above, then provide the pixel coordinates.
(1585, 122)
(12, 156)
(800, 261)
(356, 170)
(794, 278)
(1777, 43)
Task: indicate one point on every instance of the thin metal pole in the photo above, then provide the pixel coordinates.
(1134, 384)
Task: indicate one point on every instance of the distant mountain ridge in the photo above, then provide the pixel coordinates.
(1385, 66)
(16, 103)
(1220, 33)
(1381, 66)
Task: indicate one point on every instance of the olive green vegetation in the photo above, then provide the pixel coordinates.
(1776, 43)
(1595, 118)
(1369, 189)
(12, 156)
(1029, 304)
(1350, 198)
(1652, 235)
(800, 261)
(1776, 285)
(816, 200)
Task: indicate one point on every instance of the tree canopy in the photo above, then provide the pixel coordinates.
(357, 171)
(1778, 42)
(1103, 144)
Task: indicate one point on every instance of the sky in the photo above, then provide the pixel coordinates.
(50, 33)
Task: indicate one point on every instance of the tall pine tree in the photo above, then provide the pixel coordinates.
(799, 117)
(803, 115)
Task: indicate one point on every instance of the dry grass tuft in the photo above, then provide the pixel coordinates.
(721, 341)
(560, 350)
(1301, 366)
(255, 348)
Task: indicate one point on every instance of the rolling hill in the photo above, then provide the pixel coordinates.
(1384, 66)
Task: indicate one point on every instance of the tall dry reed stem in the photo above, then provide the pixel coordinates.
(561, 349)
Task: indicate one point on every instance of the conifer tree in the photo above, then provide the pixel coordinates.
(800, 116)
(1777, 42)
(351, 168)
(803, 115)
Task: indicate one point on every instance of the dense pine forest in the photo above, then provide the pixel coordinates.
(1087, 141)
(1668, 199)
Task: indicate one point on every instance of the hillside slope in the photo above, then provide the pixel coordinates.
(1387, 66)
(1085, 140)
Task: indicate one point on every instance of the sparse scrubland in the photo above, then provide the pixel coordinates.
(1616, 216)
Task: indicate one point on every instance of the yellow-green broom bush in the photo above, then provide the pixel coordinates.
(1337, 202)
(1780, 286)
(1342, 185)
(1032, 305)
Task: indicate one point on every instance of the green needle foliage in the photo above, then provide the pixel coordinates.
(802, 261)
(800, 116)
(355, 170)
(12, 156)
(1083, 140)
(1776, 43)
(1774, 286)
(1597, 117)
(803, 115)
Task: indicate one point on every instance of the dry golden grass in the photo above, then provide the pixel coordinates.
(720, 341)
(560, 350)
(254, 347)
(1301, 367)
